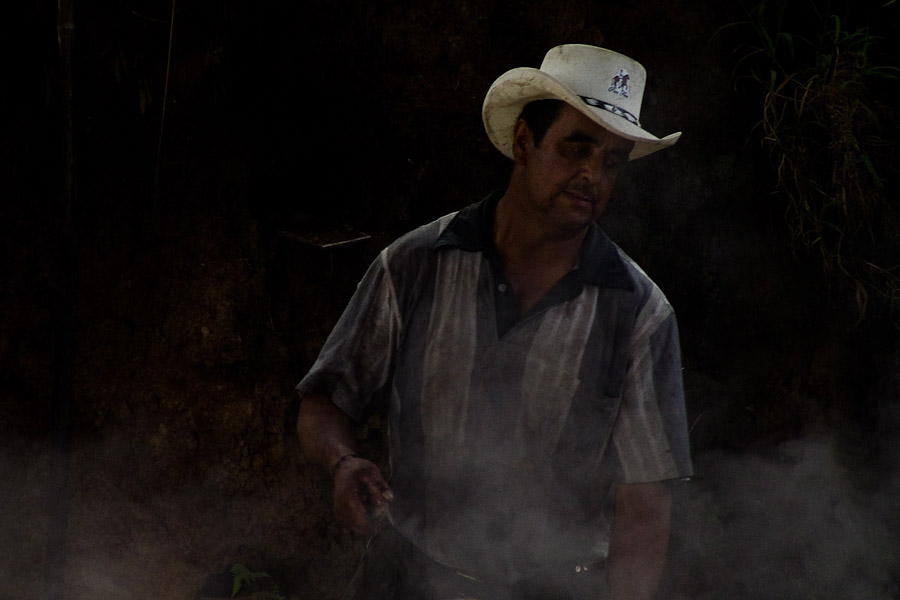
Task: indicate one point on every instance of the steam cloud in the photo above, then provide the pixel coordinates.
(803, 521)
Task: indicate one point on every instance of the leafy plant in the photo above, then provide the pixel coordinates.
(829, 135)
(242, 576)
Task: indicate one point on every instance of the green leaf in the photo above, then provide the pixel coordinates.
(879, 184)
(789, 40)
(885, 72)
(241, 575)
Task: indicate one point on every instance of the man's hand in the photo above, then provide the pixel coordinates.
(361, 495)
(360, 492)
(328, 438)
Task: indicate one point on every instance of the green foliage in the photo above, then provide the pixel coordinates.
(242, 576)
(829, 132)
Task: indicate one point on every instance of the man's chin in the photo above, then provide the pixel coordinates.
(574, 226)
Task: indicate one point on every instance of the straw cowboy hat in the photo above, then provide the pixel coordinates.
(604, 85)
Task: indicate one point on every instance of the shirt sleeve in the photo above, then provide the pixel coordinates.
(650, 435)
(355, 362)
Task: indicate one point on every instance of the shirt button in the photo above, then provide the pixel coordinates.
(502, 287)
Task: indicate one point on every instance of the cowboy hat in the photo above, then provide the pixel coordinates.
(604, 85)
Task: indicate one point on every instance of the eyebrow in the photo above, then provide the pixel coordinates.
(582, 136)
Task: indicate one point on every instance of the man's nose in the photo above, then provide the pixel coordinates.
(591, 169)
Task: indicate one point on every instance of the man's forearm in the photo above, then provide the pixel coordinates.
(328, 437)
(639, 540)
(326, 432)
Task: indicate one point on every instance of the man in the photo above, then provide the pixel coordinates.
(531, 370)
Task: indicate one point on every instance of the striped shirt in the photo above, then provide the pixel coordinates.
(507, 431)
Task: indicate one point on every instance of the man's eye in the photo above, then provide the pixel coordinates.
(613, 162)
(578, 150)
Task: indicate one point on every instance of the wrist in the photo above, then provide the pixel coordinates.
(336, 465)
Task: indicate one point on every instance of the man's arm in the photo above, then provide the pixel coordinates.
(638, 540)
(328, 437)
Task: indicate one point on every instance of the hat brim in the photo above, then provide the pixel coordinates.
(514, 89)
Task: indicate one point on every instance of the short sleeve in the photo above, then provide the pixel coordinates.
(355, 362)
(650, 435)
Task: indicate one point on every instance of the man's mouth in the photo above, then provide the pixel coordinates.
(581, 196)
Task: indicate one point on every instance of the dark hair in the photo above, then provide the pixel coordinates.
(539, 115)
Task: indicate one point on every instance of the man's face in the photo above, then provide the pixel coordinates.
(570, 175)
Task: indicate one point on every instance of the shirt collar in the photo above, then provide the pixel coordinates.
(471, 230)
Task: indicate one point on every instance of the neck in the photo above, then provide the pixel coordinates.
(534, 259)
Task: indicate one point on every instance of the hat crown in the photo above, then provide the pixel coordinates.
(598, 74)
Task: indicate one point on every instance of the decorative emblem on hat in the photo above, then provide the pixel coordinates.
(620, 83)
(616, 110)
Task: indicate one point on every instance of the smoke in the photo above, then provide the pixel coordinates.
(807, 519)
(24, 522)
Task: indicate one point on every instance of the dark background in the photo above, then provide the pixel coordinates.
(155, 317)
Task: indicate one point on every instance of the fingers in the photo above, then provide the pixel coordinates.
(379, 497)
(354, 517)
(378, 490)
(361, 496)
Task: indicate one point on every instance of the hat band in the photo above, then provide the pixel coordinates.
(621, 112)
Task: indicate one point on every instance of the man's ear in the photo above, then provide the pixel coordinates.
(523, 142)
